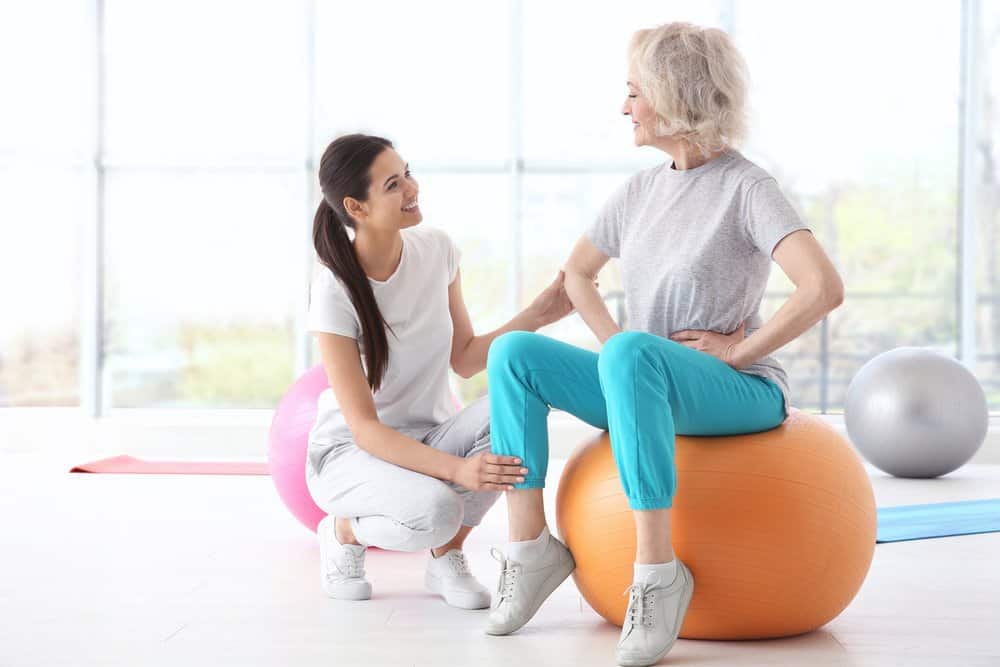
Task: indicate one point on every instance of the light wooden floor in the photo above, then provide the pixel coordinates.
(166, 570)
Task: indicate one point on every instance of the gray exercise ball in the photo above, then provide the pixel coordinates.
(914, 412)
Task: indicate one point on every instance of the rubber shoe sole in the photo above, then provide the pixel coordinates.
(460, 599)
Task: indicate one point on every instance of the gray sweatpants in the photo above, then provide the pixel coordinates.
(392, 507)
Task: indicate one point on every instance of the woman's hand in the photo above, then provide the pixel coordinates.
(552, 304)
(489, 472)
(723, 346)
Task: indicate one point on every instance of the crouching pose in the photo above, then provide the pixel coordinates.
(391, 459)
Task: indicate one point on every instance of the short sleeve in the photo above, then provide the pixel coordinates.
(770, 217)
(606, 231)
(454, 257)
(330, 307)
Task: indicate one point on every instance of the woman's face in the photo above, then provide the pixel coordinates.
(641, 112)
(392, 195)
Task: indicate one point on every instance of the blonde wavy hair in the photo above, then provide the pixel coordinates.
(696, 80)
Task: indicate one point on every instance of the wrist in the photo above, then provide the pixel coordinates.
(737, 356)
(531, 320)
(452, 467)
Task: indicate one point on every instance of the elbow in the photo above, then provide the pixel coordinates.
(362, 432)
(827, 294)
(834, 293)
(462, 371)
(462, 368)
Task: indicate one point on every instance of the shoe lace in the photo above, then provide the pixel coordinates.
(458, 563)
(641, 608)
(508, 575)
(351, 565)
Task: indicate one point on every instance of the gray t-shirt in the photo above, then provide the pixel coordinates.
(695, 247)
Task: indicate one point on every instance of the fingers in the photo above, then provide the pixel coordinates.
(503, 476)
(502, 460)
(493, 469)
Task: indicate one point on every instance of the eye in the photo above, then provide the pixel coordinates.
(633, 96)
(392, 185)
(409, 174)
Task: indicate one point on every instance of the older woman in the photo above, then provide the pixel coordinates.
(695, 236)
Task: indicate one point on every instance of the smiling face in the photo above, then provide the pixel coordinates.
(392, 195)
(640, 110)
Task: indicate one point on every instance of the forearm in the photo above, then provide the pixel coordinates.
(473, 356)
(390, 445)
(803, 309)
(588, 302)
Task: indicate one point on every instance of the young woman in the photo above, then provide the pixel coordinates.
(696, 236)
(389, 459)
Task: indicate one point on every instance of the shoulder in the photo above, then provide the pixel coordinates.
(643, 181)
(427, 237)
(326, 283)
(742, 173)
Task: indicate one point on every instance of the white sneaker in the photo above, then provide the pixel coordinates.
(654, 617)
(449, 577)
(341, 566)
(523, 586)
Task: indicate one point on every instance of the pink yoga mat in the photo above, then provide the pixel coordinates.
(128, 464)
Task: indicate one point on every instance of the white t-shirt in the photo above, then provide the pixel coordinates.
(415, 395)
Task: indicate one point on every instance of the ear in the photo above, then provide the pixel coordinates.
(356, 209)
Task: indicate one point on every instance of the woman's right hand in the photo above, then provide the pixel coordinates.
(489, 472)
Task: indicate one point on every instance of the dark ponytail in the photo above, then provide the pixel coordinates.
(344, 172)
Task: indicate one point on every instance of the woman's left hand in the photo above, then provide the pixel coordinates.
(552, 304)
(722, 346)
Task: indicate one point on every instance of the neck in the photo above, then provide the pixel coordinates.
(685, 154)
(378, 252)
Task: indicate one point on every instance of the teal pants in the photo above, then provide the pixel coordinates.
(642, 388)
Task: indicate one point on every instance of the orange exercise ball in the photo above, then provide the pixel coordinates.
(778, 529)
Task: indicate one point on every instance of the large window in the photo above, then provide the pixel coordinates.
(47, 196)
(864, 140)
(985, 160)
(157, 171)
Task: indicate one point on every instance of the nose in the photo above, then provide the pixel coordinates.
(626, 110)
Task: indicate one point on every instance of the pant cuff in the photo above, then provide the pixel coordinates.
(657, 503)
(531, 483)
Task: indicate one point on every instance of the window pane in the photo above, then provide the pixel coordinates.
(203, 271)
(558, 208)
(40, 268)
(433, 78)
(190, 82)
(988, 203)
(575, 69)
(47, 79)
(475, 211)
(864, 142)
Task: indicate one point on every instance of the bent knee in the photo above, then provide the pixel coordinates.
(509, 348)
(632, 351)
(442, 518)
(622, 348)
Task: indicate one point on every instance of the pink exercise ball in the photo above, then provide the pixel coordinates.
(289, 440)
